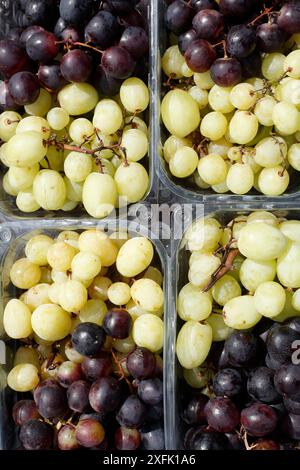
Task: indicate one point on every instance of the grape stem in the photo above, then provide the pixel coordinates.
(88, 46)
(264, 13)
(225, 266)
(121, 371)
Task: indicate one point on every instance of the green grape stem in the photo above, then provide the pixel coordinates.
(224, 268)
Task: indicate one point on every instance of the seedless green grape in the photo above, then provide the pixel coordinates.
(269, 299)
(50, 322)
(134, 95)
(58, 118)
(273, 181)
(220, 331)
(9, 121)
(41, 105)
(202, 267)
(225, 289)
(78, 166)
(49, 190)
(240, 313)
(37, 295)
(288, 265)
(34, 124)
(240, 178)
(78, 98)
(193, 304)
(24, 274)
(119, 293)
(108, 116)
(86, 265)
(204, 235)
(60, 255)
(23, 378)
(261, 242)
(17, 319)
(184, 162)
(136, 144)
(253, 273)
(99, 195)
(97, 242)
(22, 178)
(82, 130)
(147, 294)
(243, 127)
(193, 344)
(212, 169)
(180, 113)
(148, 332)
(134, 256)
(25, 149)
(37, 247)
(26, 201)
(27, 355)
(132, 181)
(73, 296)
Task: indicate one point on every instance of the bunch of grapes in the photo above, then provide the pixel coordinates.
(226, 111)
(73, 97)
(241, 327)
(88, 323)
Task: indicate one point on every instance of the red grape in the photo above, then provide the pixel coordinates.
(105, 394)
(228, 382)
(209, 440)
(222, 414)
(68, 372)
(153, 437)
(287, 381)
(66, 438)
(28, 32)
(78, 396)
(135, 40)
(261, 386)
(75, 11)
(52, 401)
(24, 87)
(141, 363)
(208, 24)
(178, 16)
(25, 410)
(289, 17)
(36, 435)
(200, 55)
(270, 37)
(117, 323)
(6, 100)
(117, 62)
(13, 58)
(96, 367)
(241, 346)
(132, 413)
(236, 8)
(50, 76)
(240, 41)
(204, 4)
(89, 433)
(127, 439)
(88, 339)
(42, 46)
(105, 84)
(150, 391)
(76, 66)
(186, 39)
(102, 30)
(194, 413)
(259, 419)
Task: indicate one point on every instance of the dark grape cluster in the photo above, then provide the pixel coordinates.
(101, 42)
(253, 399)
(102, 402)
(221, 37)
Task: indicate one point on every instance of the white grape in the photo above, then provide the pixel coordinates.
(243, 127)
(288, 266)
(219, 99)
(280, 113)
(58, 118)
(243, 96)
(172, 62)
(9, 121)
(34, 124)
(136, 144)
(202, 268)
(36, 296)
(24, 274)
(296, 300)
(220, 331)
(134, 95)
(22, 178)
(148, 332)
(198, 377)
(134, 256)
(74, 190)
(180, 113)
(291, 229)
(27, 355)
(270, 151)
(86, 265)
(262, 216)
(25, 149)
(81, 130)
(78, 166)
(36, 249)
(78, 98)
(203, 80)
(264, 110)
(291, 64)
(99, 194)
(272, 66)
(220, 146)
(204, 235)
(225, 289)
(94, 311)
(294, 156)
(184, 162)
(132, 181)
(214, 125)
(26, 201)
(41, 105)
(23, 378)
(193, 304)
(97, 242)
(49, 190)
(50, 322)
(269, 299)
(60, 256)
(240, 178)
(253, 273)
(147, 294)
(17, 319)
(108, 116)
(199, 95)
(240, 313)
(119, 293)
(261, 242)
(273, 181)
(73, 296)
(212, 169)
(193, 344)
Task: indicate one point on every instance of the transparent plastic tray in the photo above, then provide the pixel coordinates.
(7, 203)
(186, 188)
(180, 262)
(13, 237)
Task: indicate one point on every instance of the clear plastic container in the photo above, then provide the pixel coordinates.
(180, 262)
(13, 238)
(7, 203)
(187, 188)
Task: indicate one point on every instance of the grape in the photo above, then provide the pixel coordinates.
(261, 242)
(235, 8)
(269, 299)
(58, 118)
(293, 323)
(178, 106)
(204, 235)
(259, 419)
(212, 168)
(60, 256)
(221, 414)
(289, 17)
(94, 368)
(193, 344)
(228, 382)
(132, 412)
(41, 105)
(17, 319)
(127, 439)
(76, 66)
(270, 37)
(178, 16)
(50, 76)
(287, 381)
(241, 348)
(24, 411)
(193, 304)
(102, 30)
(209, 440)
(104, 83)
(291, 426)
(214, 126)
(37, 296)
(98, 243)
(240, 41)
(99, 194)
(26, 202)
(150, 391)
(36, 435)
(117, 323)
(13, 58)
(105, 394)
(78, 395)
(6, 100)
(108, 116)
(24, 274)
(141, 363)
(119, 293)
(186, 39)
(291, 406)
(243, 96)
(240, 313)
(204, 4)
(69, 372)
(78, 98)
(226, 72)
(41, 12)
(75, 11)
(9, 121)
(147, 294)
(208, 24)
(153, 436)
(134, 95)
(28, 32)
(42, 46)
(27, 355)
(135, 40)
(193, 413)
(88, 339)
(50, 322)
(291, 65)
(200, 55)
(225, 289)
(117, 62)
(89, 433)
(134, 256)
(261, 387)
(148, 332)
(136, 144)
(24, 88)
(52, 401)
(251, 65)
(66, 438)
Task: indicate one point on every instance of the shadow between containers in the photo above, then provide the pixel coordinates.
(13, 237)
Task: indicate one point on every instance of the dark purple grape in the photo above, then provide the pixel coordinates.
(102, 30)
(293, 323)
(241, 346)
(96, 367)
(200, 55)
(208, 24)
(222, 414)
(66, 438)
(226, 72)
(270, 38)
(291, 406)
(228, 382)
(89, 433)
(259, 419)
(52, 401)
(209, 440)
(178, 16)
(155, 413)
(24, 411)
(101, 417)
(13, 58)
(287, 381)
(24, 87)
(153, 437)
(60, 25)
(133, 18)
(117, 323)
(235, 442)
(141, 363)
(289, 17)
(41, 12)
(240, 41)
(88, 339)
(41, 385)
(261, 386)
(105, 84)
(117, 62)
(150, 391)
(186, 39)
(75, 11)
(50, 76)
(190, 435)
(280, 343)
(105, 394)
(135, 40)
(71, 34)
(271, 363)
(236, 8)
(36, 435)
(76, 66)
(194, 411)
(127, 438)
(28, 32)
(132, 413)
(42, 46)
(121, 7)
(251, 67)
(265, 444)
(14, 35)
(68, 372)
(6, 100)
(291, 426)
(78, 396)
(204, 4)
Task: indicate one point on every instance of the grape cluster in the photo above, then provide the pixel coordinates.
(239, 344)
(88, 322)
(227, 116)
